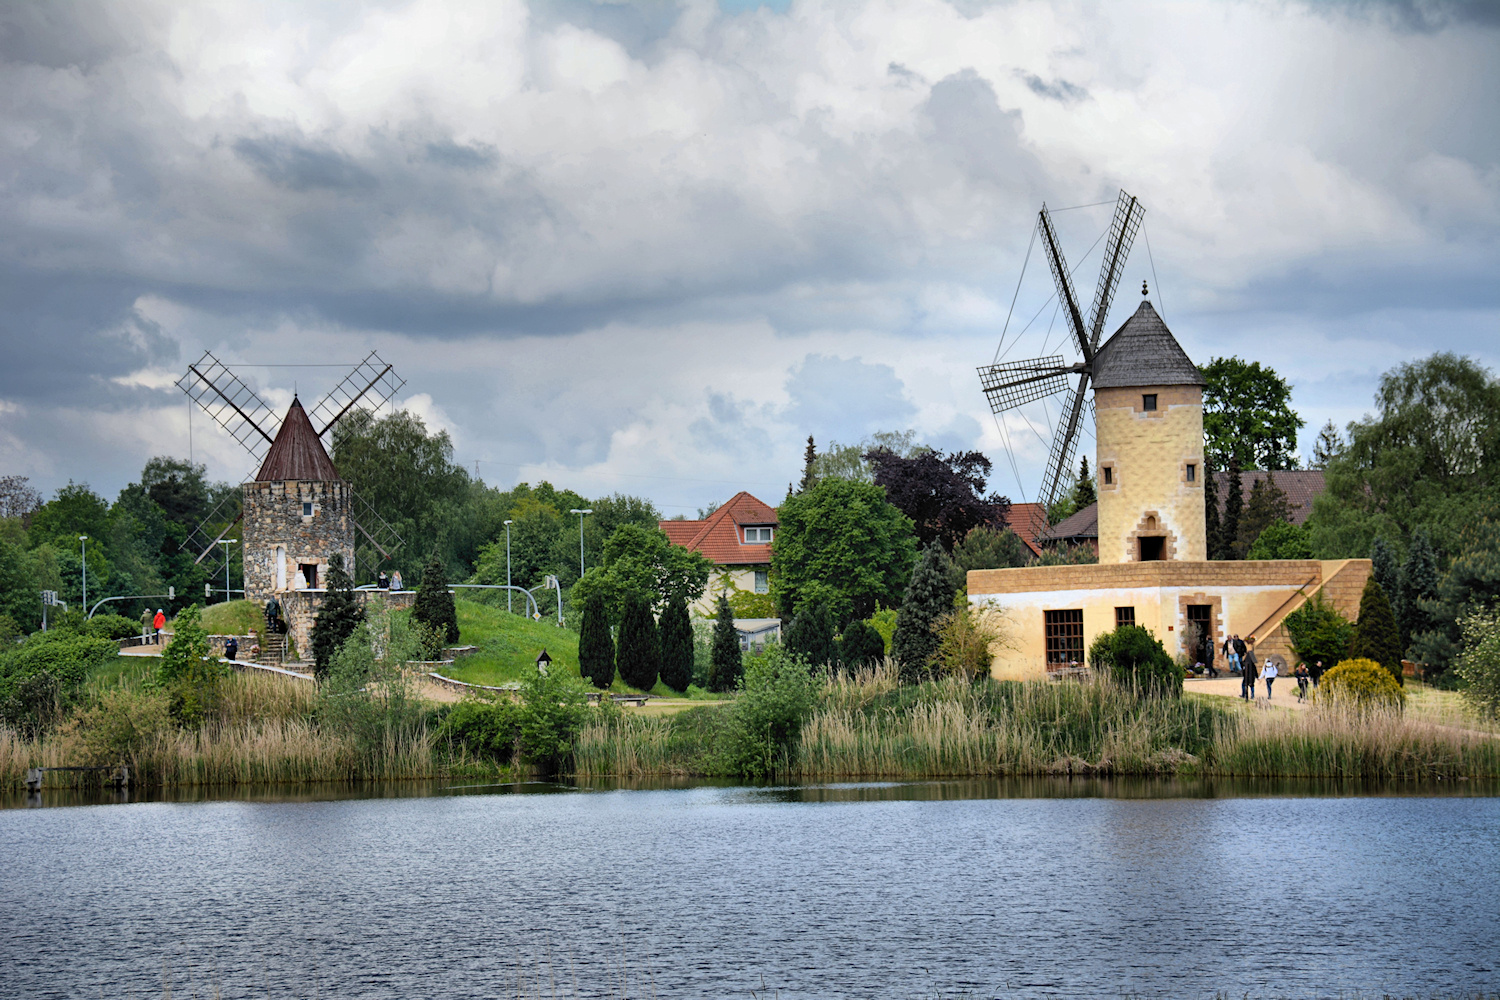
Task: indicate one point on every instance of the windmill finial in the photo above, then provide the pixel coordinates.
(1144, 293)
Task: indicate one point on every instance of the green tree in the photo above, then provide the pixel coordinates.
(554, 708)
(1472, 581)
(928, 597)
(338, 617)
(1213, 530)
(1479, 663)
(676, 645)
(1136, 658)
(1418, 588)
(809, 460)
(638, 657)
(1328, 446)
(596, 648)
(844, 544)
(1385, 570)
(1375, 634)
(642, 563)
(1084, 493)
(847, 461)
(1268, 505)
(1319, 632)
(1248, 420)
(776, 696)
(190, 675)
(727, 663)
(810, 634)
(988, 547)
(1429, 457)
(1281, 540)
(1229, 527)
(434, 606)
(861, 646)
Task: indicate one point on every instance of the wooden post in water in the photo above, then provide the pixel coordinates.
(33, 779)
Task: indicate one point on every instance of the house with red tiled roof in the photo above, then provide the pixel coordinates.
(1029, 522)
(736, 538)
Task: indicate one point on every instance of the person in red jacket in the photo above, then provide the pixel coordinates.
(159, 623)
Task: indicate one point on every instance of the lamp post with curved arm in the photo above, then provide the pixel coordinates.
(507, 565)
(580, 514)
(83, 557)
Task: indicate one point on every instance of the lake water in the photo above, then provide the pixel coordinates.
(987, 889)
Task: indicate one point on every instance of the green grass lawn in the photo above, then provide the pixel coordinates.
(233, 618)
(509, 644)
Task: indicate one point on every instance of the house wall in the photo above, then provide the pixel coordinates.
(1148, 453)
(741, 577)
(1244, 595)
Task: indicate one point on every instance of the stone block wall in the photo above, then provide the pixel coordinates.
(290, 523)
(1147, 454)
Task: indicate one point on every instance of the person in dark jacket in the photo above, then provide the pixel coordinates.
(231, 648)
(1249, 671)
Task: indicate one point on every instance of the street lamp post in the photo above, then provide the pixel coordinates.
(507, 567)
(83, 557)
(226, 542)
(580, 513)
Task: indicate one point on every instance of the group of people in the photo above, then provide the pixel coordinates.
(1242, 660)
(152, 626)
(392, 582)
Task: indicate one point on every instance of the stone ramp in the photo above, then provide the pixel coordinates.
(1343, 582)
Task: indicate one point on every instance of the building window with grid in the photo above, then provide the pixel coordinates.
(1064, 634)
(762, 581)
(757, 536)
(1124, 616)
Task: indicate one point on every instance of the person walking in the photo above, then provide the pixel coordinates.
(159, 623)
(1248, 673)
(1271, 672)
(1229, 654)
(231, 648)
(1317, 672)
(146, 627)
(1239, 654)
(1301, 673)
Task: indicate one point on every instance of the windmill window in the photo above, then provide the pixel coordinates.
(309, 573)
(1109, 475)
(1192, 473)
(307, 508)
(1148, 402)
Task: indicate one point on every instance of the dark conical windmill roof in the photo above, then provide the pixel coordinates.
(1143, 352)
(297, 453)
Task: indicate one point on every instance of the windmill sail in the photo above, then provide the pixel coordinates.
(371, 382)
(1128, 216)
(231, 403)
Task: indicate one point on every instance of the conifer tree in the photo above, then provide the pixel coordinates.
(337, 619)
(809, 460)
(1084, 493)
(1267, 505)
(928, 597)
(1419, 588)
(1375, 634)
(596, 648)
(860, 646)
(638, 657)
(811, 634)
(1234, 501)
(676, 645)
(1385, 571)
(726, 664)
(1214, 531)
(433, 606)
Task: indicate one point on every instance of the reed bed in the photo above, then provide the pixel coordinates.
(868, 726)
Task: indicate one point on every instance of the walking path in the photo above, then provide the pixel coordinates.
(1284, 691)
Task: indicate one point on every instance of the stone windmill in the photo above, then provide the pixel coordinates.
(297, 510)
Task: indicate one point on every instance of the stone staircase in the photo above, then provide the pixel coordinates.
(1343, 584)
(272, 650)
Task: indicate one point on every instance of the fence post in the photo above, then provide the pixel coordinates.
(33, 779)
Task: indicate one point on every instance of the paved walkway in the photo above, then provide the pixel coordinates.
(1284, 690)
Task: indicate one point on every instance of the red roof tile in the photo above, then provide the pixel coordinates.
(1029, 521)
(297, 453)
(1301, 487)
(720, 537)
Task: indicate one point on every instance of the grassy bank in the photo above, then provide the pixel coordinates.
(870, 727)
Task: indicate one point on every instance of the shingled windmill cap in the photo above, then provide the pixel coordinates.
(297, 453)
(1143, 352)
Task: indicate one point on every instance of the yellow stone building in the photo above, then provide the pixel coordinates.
(1153, 568)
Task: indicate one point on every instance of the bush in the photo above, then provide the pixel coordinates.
(1362, 683)
(776, 695)
(1319, 632)
(188, 673)
(1136, 658)
(1479, 663)
(860, 646)
(121, 727)
(966, 636)
(553, 711)
(434, 603)
(596, 647)
(42, 679)
(676, 645)
(748, 604)
(484, 728)
(810, 634)
(638, 658)
(110, 627)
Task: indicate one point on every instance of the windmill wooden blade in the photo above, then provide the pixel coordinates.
(1128, 215)
(1064, 446)
(379, 537)
(232, 404)
(1064, 283)
(372, 383)
(1016, 383)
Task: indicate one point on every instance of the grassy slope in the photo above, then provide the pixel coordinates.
(509, 644)
(232, 618)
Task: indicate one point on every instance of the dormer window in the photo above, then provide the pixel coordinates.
(1148, 402)
(757, 536)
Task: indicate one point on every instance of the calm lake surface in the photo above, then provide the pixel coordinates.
(986, 889)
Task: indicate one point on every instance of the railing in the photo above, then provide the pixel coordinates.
(1262, 631)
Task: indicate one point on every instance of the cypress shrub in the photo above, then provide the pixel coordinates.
(861, 646)
(1419, 588)
(434, 604)
(929, 596)
(639, 654)
(810, 635)
(337, 619)
(1376, 636)
(726, 664)
(676, 645)
(596, 648)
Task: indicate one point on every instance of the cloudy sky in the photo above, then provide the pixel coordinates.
(652, 247)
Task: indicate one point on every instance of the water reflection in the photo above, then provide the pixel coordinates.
(937, 790)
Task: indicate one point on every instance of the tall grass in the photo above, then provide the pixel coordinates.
(868, 726)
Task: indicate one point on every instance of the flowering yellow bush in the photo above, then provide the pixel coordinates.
(1363, 683)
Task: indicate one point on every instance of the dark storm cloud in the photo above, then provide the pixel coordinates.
(1057, 90)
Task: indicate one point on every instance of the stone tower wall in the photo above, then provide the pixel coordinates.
(274, 516)
(1148, 454)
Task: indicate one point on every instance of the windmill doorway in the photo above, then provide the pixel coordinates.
(1153, 548)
